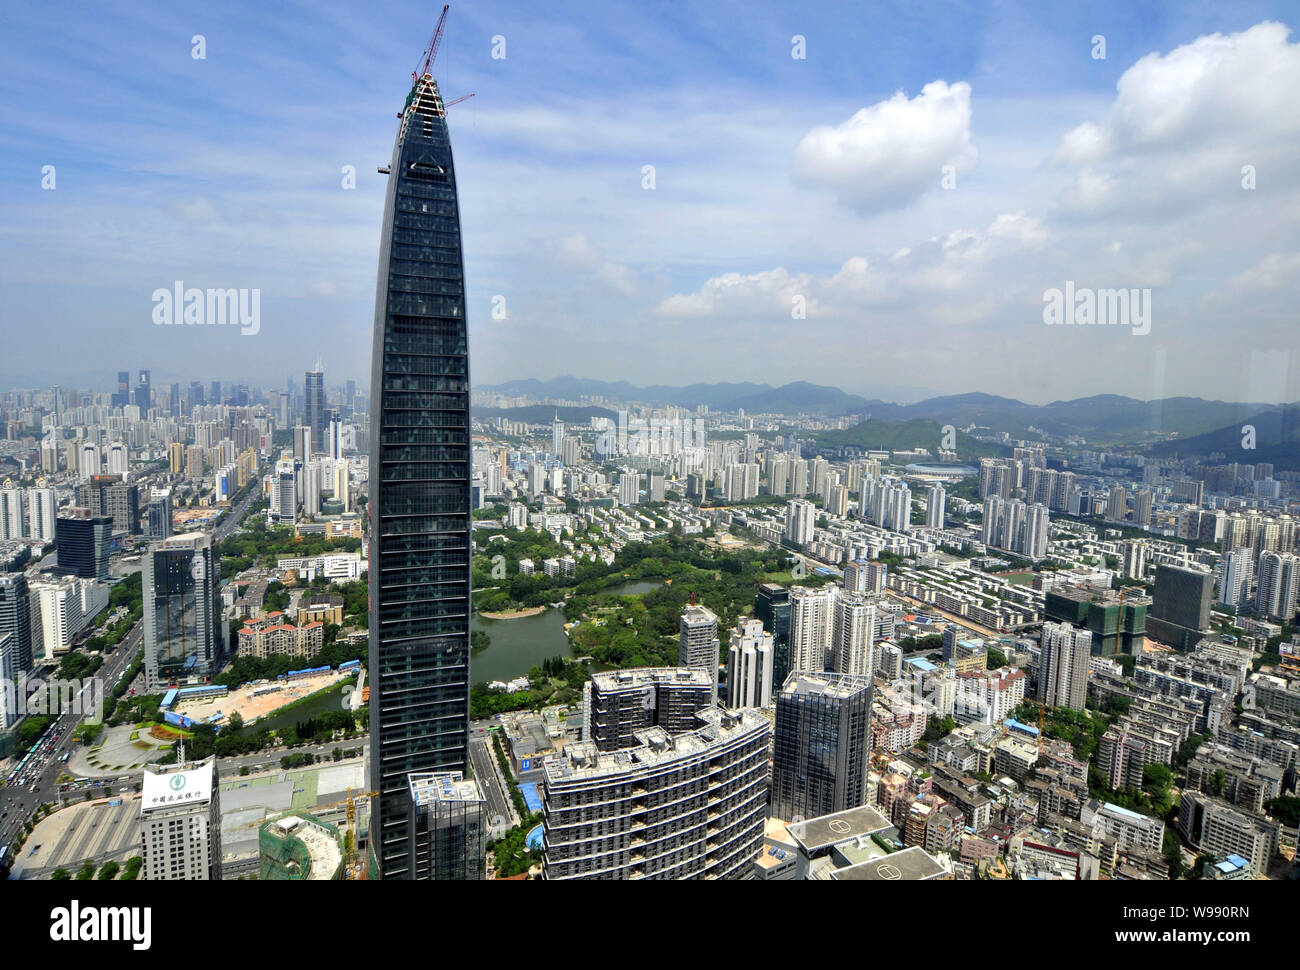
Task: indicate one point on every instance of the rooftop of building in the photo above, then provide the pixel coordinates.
(911, 864)
(824, 684)
(176, 786)
(649, 676)
(1095, 594)
(442, 786)
(323, 850)
(817, 834)
(583, 761)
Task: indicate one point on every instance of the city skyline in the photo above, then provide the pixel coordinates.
(816, 177)
(858, 538)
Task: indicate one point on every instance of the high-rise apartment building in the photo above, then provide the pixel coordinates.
(938, 499)
(749, 665)
(1279, 584)
(852, 638)
(619, 703)
(800, 520)
(419, 481)
(1063, 667)
(811, 622)
(687, 805)
(13, 520)
(1236, 572)
(698, 640)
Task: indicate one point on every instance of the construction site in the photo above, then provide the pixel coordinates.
(260, 698)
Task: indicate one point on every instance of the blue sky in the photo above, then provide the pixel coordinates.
(776, 179)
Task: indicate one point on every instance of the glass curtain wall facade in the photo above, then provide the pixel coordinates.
(419, 482)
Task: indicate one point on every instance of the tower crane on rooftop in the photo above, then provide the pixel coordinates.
(432, 51)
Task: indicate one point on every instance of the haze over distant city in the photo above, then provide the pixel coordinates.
(780, 183)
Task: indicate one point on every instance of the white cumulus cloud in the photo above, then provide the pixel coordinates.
(892, 152)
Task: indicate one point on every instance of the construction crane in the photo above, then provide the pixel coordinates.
(463, 97)
(432, 51)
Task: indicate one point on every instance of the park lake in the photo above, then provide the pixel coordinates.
(523, 643)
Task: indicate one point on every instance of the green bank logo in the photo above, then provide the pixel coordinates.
(177, 782)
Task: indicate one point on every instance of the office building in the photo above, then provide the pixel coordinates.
(419, 481)
(298, 848)
(772, 607)
(10, 669)
(1180, 608)
(449, 827)
(84, 542)
(184, 631)
(669, 806)
(302, 449)
(314, 409)
(283, 508)
(749, 665)
(110, 495)
(143, 394)
(821, 745)
(1063, 666)
(61, 607)
(122, 396)
(180, 822)
(16, 620)
(160, 514)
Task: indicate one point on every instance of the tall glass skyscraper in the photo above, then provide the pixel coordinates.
(315, 410)
(419, 482)
(184, 634)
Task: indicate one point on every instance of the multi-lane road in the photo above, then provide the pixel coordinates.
(483, 760)
(18, 800)
(40, 781)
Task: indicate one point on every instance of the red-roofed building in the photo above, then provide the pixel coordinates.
(270, 634)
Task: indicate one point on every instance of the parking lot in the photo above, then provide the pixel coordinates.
(93, 830)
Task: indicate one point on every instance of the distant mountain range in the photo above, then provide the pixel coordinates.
(1276, 439)
(1198, 427)
(799, 397)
